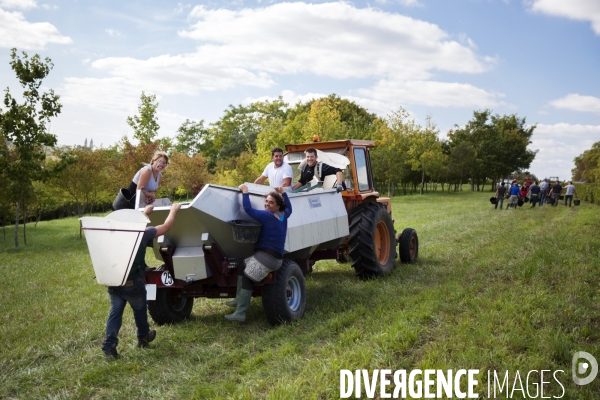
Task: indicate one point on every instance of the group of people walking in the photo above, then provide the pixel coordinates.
(533, 193)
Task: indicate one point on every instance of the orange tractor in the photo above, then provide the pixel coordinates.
(371, 245)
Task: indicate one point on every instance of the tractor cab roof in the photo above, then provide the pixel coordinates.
(330, 145)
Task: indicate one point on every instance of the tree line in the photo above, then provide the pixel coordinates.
(587, 165)
(46, 180)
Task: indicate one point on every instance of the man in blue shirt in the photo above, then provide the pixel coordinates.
(515, 194)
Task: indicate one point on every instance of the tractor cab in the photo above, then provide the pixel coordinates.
(353, 158)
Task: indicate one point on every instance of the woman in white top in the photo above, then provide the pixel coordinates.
(148, 177)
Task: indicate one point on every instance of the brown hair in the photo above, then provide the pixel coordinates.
(279, 200)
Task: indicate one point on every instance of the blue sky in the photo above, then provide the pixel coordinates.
(444, 58)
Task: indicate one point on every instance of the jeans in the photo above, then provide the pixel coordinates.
(119, 296)
(533, 200)
(570, 198)
(542, 197)
(499, 200)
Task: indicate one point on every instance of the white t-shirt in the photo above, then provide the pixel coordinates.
(570, 190)
(276, 176)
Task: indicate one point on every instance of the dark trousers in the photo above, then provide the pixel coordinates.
(556, 198)
(570, 198)
(119, 297)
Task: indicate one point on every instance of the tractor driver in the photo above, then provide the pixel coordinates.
(310, 167)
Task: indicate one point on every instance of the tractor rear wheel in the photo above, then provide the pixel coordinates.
(409, 246)
(372, 241)
(285, 300)
(169, 308)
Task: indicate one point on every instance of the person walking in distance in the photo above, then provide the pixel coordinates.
(500, 193)
(556, 190)
(543, 191)
(515, 194)
(534, 194)
(570, 191)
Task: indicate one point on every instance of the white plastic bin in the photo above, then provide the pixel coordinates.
(113, 242)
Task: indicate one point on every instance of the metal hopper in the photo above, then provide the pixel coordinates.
(318, 221)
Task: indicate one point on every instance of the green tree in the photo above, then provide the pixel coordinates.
(389, 159)
(237, 130)
(87, 180)
(145, 125)
(24, 128)
(587, 165)
(324, 122)
(187, 173)
(357, 121)
(499, 145)
(425, 150)
(192, 137)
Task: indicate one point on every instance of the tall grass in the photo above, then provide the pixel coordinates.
(492, 290)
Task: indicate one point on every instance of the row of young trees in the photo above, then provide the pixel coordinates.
(587, 165)
(237, 147)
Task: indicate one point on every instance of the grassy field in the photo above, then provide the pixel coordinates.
(493, 290)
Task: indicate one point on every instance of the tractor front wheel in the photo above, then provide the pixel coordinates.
(285, 300)
(169, 307)
(409, 246)
(372, 241)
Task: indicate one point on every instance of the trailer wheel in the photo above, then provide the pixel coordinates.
(372, 241)
(285, 300)
(409, 246)
(169, 308)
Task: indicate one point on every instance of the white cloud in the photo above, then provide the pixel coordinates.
(187, 73)
(114, 95)
(577, 102)
(410, 3)
(407, 3)
(465, 39)
(558, 145)
(181, 7)
(255, 47)
(581, 10)
(23, 4)
(15, 31)
(561, 131)
(431, 93)
(49, 6)
(113, 32)
(331, 39)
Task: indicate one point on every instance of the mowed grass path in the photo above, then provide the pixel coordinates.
(493, 290)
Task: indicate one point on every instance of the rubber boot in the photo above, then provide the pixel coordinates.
(234, 302)
(243, 304)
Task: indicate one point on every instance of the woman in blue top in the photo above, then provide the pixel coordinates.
(268, 250)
